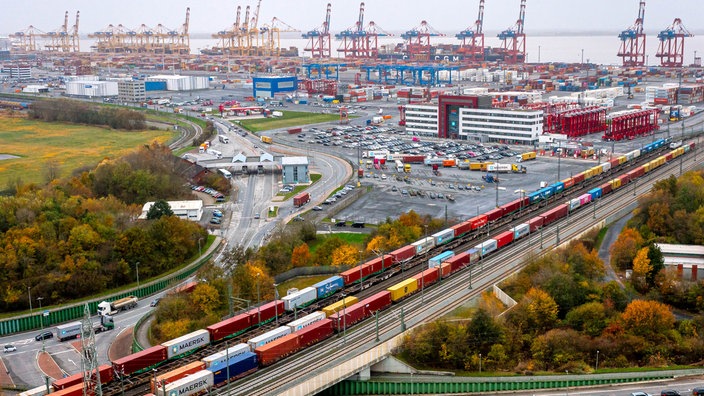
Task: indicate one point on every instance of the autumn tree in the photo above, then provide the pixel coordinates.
(649, 319)
(558, 347)
(300, 257)
(625, 248)
(590, 318)
(345, 255)
(206, 298)
(584, 262)
(482, 332)
(641, 269)
(657, 263)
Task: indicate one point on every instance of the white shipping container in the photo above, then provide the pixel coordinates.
(189, 385)
(443, 236)
(520, 231)
(486, 247)
(424, 244)
(300, 298)
(306, 321)
(218, 359)
(606, 166)
(187, 343)
(268, 337)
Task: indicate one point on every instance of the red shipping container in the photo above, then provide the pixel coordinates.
(479, 221)
(235, 324)
(105, 371)
(301, 199)
(494, 214)
(668, 156)
(555, 214)
(578, 178)
(362, 310)
(514, 206)
(267, 311)
(614, 163)
(177, 374)
(315, 333)
(636, 173)
(624, 179)
(458, 262)
(74, 390)
(427, 277)
(569, 182)
(402, 254)
(276, 350)
(605, 188)
(462, 228)
(445, 269)
(535, 223)
(504, 239)
(140, 360)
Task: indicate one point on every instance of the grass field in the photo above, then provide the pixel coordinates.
(68, 146)
(349, 237)
(289, 119)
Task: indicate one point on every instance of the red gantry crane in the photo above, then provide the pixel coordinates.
(319, 38)
(632, 49)
(671, 48)
(352, 45)
(513, 40)
(472, 46)
(418, 41)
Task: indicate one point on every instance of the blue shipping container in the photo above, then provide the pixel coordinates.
(239, 365)
(558, 187)
(328, 286)
(595, 193)
(437, 260)
(155, 85)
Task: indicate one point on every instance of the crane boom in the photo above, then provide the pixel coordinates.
(326, 24)
(521, 17)
(479, 24)
(360, 21)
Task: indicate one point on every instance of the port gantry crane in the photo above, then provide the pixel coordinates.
(418, 41)
(632, 50)
(27, 38)
(230, 39)
(352, 45)
(472, 46)
(513, 40)
(271, 36)
(319, 38)
(671, 47)
(63, 40)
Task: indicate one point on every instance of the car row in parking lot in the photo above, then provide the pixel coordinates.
(338, 195)
(219, 197)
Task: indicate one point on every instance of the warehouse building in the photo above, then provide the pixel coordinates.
(688, 260)
(91, 89)
(131, 91)
(295, 170)
(176, 83)
(16, 71)
(270, 87)
(186, 210)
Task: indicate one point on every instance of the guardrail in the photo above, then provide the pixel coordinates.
(75, 311)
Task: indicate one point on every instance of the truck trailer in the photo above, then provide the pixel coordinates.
(68, 331)
(111, 308)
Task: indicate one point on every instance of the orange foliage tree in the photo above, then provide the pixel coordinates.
(648, 319)
(625, 248)
(301, 257)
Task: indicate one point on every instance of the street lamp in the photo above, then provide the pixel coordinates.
(137, 268)
(276, 306)
(596, 367)
(41, 320)
(259, 315)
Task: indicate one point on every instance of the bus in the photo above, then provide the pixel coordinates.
(225, 173)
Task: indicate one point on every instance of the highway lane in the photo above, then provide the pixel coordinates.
(311, 362)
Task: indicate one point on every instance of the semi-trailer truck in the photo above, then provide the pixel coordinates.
(111, 308)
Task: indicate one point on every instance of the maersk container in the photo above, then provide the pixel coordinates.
(595, 193)
(444, 236)
(536, 223)
(68, 331)
(437, 260)
(299, 299)
(555, 214)
(520, 231)
(573, 204)
(194, 383)
(584, 199)
(423, 245)
(306, 321)
(329, 286)
(173, 375)
(239, 366)
(186, 343)
(494, 214)
(268, 337)
(217, 360)
(486, 247)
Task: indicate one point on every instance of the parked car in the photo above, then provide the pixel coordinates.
(43, 336)
(317, 208)
(298, 218)
(215, 220)
(256, 215)
(340, 224)
(670, 392)
(640, 394)
(9, 348)
(358, 224)
(217, 213)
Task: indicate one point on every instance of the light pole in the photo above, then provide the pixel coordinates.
(200, 251)
(259, 314)
(276, 306)
(596, 367)
(41, 320)
(480, 362)
(29, 294)
(137, 268)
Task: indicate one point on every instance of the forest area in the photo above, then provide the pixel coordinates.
(566, 311)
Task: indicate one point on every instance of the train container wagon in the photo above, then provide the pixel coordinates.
(424, 245)
(361, 310)
(557, 187)
(596, 193)
(459, 261)
(329, 286)
(555, 214)
(191, 385)
(515, 206)
(305, 321)
(584, 199)
(363, 271)
(540, 195)
(237, 367)
(268, 337)
(536, 223)
(614, 162)
(345, 302)
(573, 204)
(494, 214)
(669, 156)
(299, 299)
(444, 236)
(73, 390)
(597, 170)
(266, 312)
(504, 239)
(569, 182)
(437, 260)
(105, 371)
(402, 254)
(520, 231)
(427, 277)
(445, 270)
(276, 350)
(486, 247)
(315, 333)
(578, 178)
(218, 359)
(186, 343)
(230, 327)
(176, 374)
(622, 160)
(403, 289)
(461, 228)
(141, 360)
(478, 221)
(605, 167)
(625, 179)
(615, 184)
(605, 188)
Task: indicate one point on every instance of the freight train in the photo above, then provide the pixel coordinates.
(283, 341)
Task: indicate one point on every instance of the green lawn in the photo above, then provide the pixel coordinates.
(349, 237)
(65, 146)
(289, 119)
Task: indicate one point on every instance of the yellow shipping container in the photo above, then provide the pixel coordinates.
(615, 183)
(401, 290)
(333, 308)
(475, 166)
(597, 170)
(622, 159)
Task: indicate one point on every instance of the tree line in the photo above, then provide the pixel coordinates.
(66, 110)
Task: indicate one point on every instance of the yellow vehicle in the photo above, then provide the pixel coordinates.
(407, 168)
(403, 289)
(526, 156)
(267, 139)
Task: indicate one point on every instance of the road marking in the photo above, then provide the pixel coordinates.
(72, 362)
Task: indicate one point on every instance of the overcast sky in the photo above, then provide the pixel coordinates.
(209, 16)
